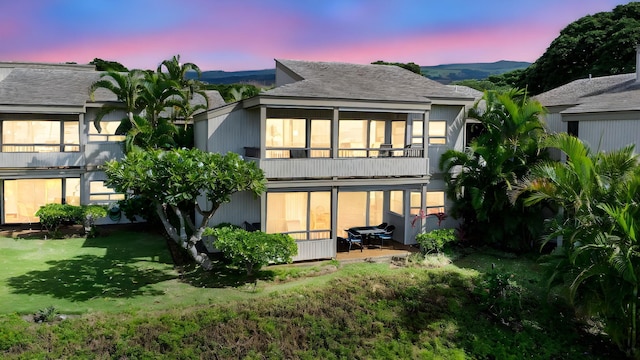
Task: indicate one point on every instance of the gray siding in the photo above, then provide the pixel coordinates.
(243, 207)
(455, 117)
(233, 132)
(316, 249)
(607, 135)
(352, 167)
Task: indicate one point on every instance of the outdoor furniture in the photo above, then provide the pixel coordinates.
(382, 226)
(386, 235)
(354, 238)
(384, 150)
(367, 232)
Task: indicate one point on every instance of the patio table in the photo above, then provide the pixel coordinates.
(368, 232)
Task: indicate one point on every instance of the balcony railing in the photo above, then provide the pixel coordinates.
(411, 151)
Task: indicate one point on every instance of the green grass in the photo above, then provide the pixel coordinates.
(134, 305)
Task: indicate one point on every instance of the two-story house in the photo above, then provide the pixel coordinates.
(49, 149)
(341, 145)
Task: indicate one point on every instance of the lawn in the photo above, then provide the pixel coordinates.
(134, 304)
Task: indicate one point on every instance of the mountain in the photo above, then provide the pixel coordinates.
(478, 71)
(441, 73)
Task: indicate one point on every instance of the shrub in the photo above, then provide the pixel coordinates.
(500, 295)
(45, 315)
(253, 250)
(435, 240)
(52, 216)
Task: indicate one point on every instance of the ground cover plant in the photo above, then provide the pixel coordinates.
(362, 310)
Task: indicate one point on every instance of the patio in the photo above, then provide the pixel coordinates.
(389, 250)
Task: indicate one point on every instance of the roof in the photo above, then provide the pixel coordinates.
(48, 85)
(600, 94)
(360, 82)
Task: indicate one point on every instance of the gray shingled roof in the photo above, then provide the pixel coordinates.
(48, 86)
(606, 93)
(360, 82)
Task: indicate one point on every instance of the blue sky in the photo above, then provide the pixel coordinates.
(249, 34)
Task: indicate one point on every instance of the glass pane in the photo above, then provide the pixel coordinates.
(25, 196)
(286, 133)
(321, 138)
(435, 198)
(31, 132)
(320, 210)
(415, 199)
(97, 187)
(352, 211)
(437, 141)
(71, 132)
(352, 134)
(397, 133)
(72, 191)
(437, 128)
(396, 204)
(107, 133)
(376, 202)
(416, 130)
(286, 212)
(376, 133)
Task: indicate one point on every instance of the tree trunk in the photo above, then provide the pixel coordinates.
(181, 237)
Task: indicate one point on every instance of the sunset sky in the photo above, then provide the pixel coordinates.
(249, 34)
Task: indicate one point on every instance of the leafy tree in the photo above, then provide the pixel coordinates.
(600, 44)
(105, 65)
(126, 87)
(598, 262)
(479, 178)
(173, 181)
(408, 66)
(255, 249)
(234, 92)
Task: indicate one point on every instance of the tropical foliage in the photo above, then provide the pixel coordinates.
(480, 177)
(53, 216)
(598, 261)
(153, 102)
(173, 181)
(252, 250)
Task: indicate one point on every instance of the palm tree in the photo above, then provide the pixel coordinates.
(598, 263)
(177, 72)
(126, 87)
(479, 178)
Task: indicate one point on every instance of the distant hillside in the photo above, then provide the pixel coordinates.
(478, 71)
(441, 73)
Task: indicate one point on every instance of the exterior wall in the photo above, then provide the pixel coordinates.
(344, 167)
(233, 132)
(607, 135)
(455, 117)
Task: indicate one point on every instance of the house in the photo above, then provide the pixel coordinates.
(604, 111)
(50, 151)
(341, 145)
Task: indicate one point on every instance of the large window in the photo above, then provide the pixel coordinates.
(361, 208)
(23, 197)
(396, 201)
(107, 133)
(437, 132)
(435, 202)
(287, 138)
(363, 138)
(40, 136)
(303, 215)
(99, 193)
(417, 132)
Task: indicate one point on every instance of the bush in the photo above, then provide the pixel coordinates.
(435, 240)
(253, 250)
(52, 216)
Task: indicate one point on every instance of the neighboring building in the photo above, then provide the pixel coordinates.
(604, 112)
(50, 151)
(341, 145)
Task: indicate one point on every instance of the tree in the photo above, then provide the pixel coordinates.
(598, 262)
(478, 179)
(600, 44)
(415, 68)
(174, 180)
(105, 65)
(126, 87)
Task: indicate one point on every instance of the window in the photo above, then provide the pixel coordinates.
(40, 136)
(303, 215)
(287, 138)
(417, 132)
(437, 132)
(415, 202)
(572, 128)
(108, 133)
(396, 203)
(359, 208)
(24, 197)
(99, 193)
(362, 138)
(435, 202)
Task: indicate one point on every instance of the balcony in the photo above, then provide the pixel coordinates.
(303, 163)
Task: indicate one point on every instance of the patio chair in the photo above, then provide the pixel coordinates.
(387, 235)
(353, 238)
(382, 226)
